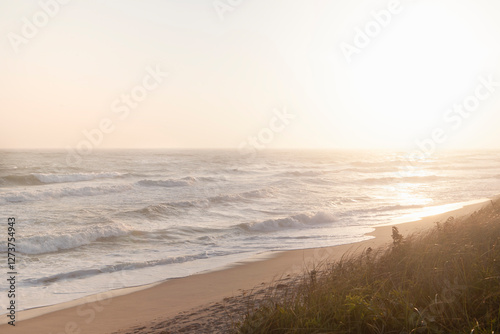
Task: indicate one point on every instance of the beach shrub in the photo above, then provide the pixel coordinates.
(446, 280)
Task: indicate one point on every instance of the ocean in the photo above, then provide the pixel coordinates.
(125, 218)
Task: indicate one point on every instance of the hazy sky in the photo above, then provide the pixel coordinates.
(354, 74)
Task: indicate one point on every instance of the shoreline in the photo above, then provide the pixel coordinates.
(121, 309)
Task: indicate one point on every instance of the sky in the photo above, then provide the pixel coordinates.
(341, 74)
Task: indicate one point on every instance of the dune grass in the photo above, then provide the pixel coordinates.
(444, 281)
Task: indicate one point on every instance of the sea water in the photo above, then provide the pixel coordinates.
(131, 217)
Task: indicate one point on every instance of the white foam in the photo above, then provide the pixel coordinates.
(77, 177)
(254, 194)
(125, 266)
(35, 195)
(297, 221)
(48, 243)
(188, 181)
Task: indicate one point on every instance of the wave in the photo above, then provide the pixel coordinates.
(371, 170)
(473, 167)
(378, 211)
(124, 266)
(349, 200)
(20, 180)
(30, 196)
(210, 178)
(162, 210)
(248, 195)
(384, 208)
(40, 178)
(303, 173)
(397, 207)
(41, 244)
(491, 176)
(405, 179)
(77, 177)
(168, 183)
(297, 221)
(184, 182)
(383, 164)
(235, 171)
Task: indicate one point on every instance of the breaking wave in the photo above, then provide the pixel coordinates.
(78, 177)
(125, 266)
(20, 180)
(50, 243)
(187, 181)
(30, 196)
(297, 221)
(248, 195)
(40, 179)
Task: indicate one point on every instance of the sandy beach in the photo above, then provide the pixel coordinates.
(190, 304)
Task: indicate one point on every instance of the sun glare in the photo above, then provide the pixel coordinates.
(416, 68)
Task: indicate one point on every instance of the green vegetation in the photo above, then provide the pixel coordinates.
(444, 281)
